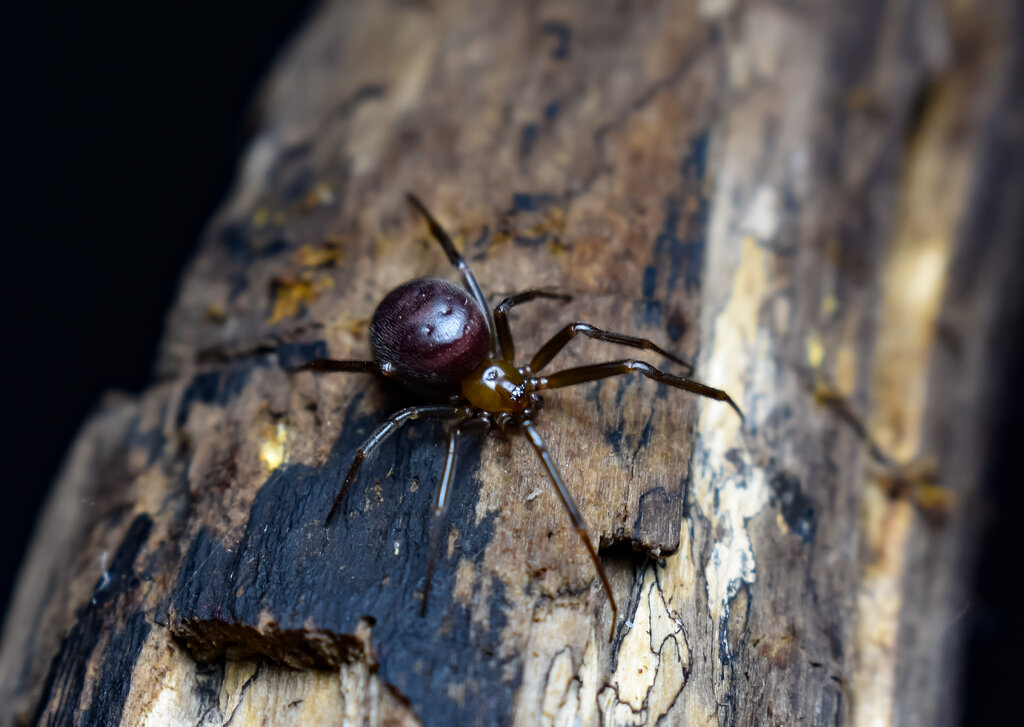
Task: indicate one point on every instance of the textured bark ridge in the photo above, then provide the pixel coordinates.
(810, 200)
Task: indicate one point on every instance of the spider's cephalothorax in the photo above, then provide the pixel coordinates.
(444, 342)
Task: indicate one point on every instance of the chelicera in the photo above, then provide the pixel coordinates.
(443, 342)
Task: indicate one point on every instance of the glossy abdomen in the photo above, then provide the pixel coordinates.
(429, 332)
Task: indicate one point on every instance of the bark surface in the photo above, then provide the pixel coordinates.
(815, 202)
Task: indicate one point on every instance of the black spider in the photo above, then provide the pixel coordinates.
(442, 341)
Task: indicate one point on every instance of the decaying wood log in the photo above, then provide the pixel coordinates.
(814, 201)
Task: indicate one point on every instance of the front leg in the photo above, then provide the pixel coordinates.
(550, 349)
(594, 372)
(508, 349)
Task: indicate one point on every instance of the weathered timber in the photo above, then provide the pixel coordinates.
(814, 201)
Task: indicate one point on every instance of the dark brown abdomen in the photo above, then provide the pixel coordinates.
(430, 332)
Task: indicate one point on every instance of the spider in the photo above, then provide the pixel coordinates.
(442, 342)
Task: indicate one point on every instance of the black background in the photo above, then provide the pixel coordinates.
(125, 125)
(123, 130)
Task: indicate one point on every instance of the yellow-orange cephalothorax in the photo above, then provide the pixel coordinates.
(496, 386)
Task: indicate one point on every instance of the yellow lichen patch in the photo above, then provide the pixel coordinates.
(554, 219)
(309, 256)
(815, 349)
(216, 312)
(917, 480)
(322, 195)
(386, 245)
(356, 327)
(260, 217)
(735, 331)
(237, 673)
(266, 217)
(291, 296)
(913, 288)
(273, 449)
(829, 305)
(914, 282)
(936, 501)
(846, 370)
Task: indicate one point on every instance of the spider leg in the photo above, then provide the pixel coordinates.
(557, 342)
(455, 259)
(391, 425)
(328, 364)
(441, 501)
(583, 374)
(534, 438)
(508, 349)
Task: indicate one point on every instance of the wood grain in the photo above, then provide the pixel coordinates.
(790, 194)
